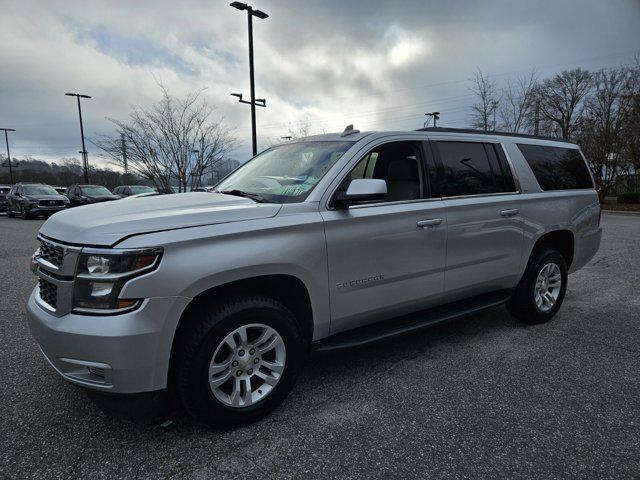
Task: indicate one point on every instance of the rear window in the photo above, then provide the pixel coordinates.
(557, 168)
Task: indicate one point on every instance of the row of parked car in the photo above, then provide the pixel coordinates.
(38, 200)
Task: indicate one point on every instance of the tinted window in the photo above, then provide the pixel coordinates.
(557, 168)
(399, 164)
(95, 191)
(470, 168)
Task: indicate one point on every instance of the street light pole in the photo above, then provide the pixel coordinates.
(436, 117)
(253, 102)
(85, 158)
(6, 139)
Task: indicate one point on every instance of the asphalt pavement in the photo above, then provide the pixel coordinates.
(479, 397)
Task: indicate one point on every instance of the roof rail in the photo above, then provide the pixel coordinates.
(491, 132)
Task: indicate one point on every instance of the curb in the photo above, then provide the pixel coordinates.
(621, 212)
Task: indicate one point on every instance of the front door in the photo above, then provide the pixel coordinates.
(386, 258)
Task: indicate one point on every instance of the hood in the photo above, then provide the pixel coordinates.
(104, 224)
(102, 198)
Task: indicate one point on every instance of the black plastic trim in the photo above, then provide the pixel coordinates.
(409, 323)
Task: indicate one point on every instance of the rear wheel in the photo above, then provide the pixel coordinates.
(540, 293)
(239, 361)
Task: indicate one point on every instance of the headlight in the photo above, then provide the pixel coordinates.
(102, 274)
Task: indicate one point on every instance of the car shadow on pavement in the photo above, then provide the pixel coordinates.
(163, 408)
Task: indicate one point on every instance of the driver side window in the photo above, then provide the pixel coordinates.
(399, 164)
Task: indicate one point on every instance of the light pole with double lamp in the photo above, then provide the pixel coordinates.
(260, 102)
(6, 139)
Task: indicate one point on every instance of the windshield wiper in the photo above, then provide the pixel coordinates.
(240, 193)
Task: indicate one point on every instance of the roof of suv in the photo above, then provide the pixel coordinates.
(356, 135)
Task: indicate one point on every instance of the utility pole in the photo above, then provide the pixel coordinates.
(85, 158)
(494, 107)
(6, 139)
(436, 117)
(124, 153)
(261, 102)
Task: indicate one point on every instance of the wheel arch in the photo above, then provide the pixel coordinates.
(287, 289)
(562, 240)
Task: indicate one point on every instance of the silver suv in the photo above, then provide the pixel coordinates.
(318, 244)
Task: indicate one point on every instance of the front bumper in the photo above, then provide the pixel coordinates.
(36, 210)
(126, 353)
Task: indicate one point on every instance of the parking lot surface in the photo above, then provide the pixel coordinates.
(480, 397)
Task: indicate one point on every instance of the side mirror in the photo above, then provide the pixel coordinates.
(363, 190)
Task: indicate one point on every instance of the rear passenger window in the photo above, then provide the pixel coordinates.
(472, 168)
(557, 168)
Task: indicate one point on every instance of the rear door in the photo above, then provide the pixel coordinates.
(386, 258)
(484, 226)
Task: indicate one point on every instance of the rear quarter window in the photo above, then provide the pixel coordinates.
(557, 168)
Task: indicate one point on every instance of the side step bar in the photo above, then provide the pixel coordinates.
(409, 323)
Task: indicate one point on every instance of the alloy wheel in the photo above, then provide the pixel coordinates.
(547, 287)
(247, 365)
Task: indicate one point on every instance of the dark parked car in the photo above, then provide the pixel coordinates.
(34, 200)
(128, 190)
(87, 194)
(4, 189)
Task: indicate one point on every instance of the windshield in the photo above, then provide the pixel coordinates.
(39, 190)
(141, 189)
(4, 190)
(95, 191)
(286, 173)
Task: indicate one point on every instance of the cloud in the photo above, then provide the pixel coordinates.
(377, 64)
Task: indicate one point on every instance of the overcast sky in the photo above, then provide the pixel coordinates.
(378, 64)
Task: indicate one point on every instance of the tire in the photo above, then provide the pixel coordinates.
(10, 213)
(530, 308)
(23, 213)
(205, 344)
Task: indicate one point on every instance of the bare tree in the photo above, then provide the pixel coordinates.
(487, 102)
(632, 131)
(299, 130)
(174, 139)
(602, 132)
(518, 103)
(561, 99)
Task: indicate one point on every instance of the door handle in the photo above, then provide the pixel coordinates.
(509, 212)
(432, 222)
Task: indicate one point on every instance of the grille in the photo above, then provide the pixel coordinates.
(51, 203)
(48, 292)
(51, 254)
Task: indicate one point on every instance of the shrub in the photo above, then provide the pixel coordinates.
(629, 197)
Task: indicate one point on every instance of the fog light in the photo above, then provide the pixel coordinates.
(101, 289)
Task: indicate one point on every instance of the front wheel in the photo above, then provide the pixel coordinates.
(238, 361)
(540, 293)
(10, 213)
(23, 213)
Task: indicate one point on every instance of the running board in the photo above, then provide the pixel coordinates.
(409, 323)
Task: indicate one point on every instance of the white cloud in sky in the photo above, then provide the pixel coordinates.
(377, 64)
